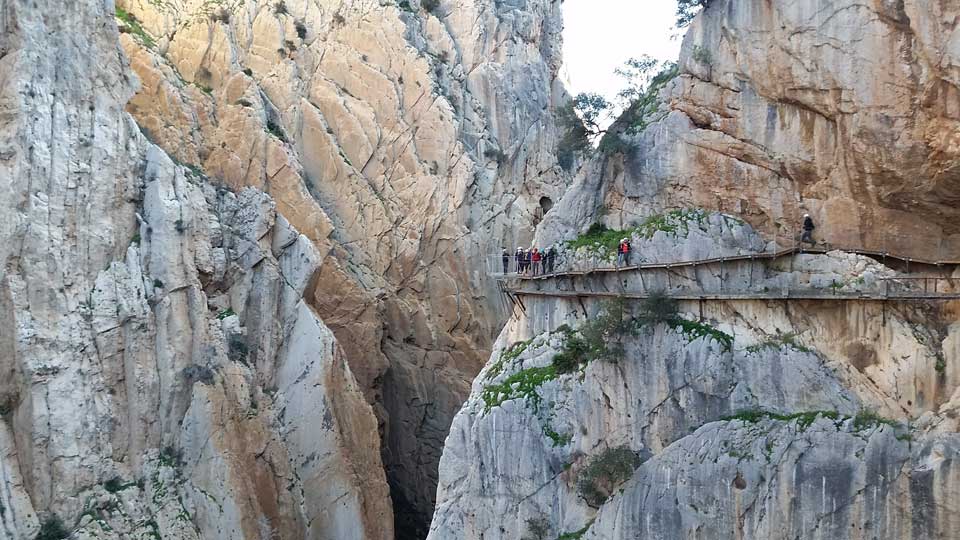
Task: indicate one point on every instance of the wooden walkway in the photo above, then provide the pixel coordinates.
(786, 252)
(789, 294)
(882, 294)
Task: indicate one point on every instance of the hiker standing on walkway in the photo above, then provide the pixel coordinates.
(518, 257)
(526, 261)
(505, 257)
(535, 256)
(551, 259)
(808, 228)
(623, 253)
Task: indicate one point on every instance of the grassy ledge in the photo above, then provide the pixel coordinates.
(132, 26)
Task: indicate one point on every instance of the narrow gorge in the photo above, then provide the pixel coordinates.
(251, 283)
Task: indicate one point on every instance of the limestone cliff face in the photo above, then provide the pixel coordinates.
(846, 110)
(406, 140)
(520, 461)
(165, 373)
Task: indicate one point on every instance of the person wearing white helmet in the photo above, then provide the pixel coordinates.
(808, 228)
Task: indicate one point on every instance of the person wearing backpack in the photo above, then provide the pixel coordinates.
(551, 259)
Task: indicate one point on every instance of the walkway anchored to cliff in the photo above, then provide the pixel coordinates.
(906, 287)
(880, 256)
(787, 294)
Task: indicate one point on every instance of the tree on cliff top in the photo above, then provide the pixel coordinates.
(688, 9)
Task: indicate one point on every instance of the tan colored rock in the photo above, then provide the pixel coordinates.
(847, 111)
(162, 371)
(417, 144)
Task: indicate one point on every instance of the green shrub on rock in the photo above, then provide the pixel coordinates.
(605, 473)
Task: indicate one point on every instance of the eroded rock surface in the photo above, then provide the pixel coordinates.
(847, 431)
(407, 143)
(165, 374)
(847, 110)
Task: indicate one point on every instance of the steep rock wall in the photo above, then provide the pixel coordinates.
(164, 372)
(518, 453)
(846, 110)
(406, 143)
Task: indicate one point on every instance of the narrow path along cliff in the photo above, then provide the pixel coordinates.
(247, 289)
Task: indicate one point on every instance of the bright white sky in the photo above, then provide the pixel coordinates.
(599, 35)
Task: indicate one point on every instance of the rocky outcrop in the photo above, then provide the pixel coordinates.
(845, 110)
(740, 419)
(406, 140)
(165, 373)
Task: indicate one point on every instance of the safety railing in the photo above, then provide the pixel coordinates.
(565, 263)
(796, 287)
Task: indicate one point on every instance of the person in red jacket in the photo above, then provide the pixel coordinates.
(535, 257)
(623, 253)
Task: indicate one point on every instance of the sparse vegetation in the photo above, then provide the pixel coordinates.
(7, 405)
(538, 528)
(804, 419)
(863, 420)
(779, 341)
(248, 72)
(221, 15)
(510, 354)
(673, 222)
(280, 8)
(523, 384)
(688, 9)
(867, 419)
(605, 473)
(430, 6)
(495, 154)
(600, 239)
(116, 485)
(196, 373)
(52, 529)
(274, 129)
(132, 26)
(575, 141)
(941, 364)
(223, 314)
(694, 330)
(237, 349)
(157, 284)
(657, 308)
(603, 240)
(644, 107)
(301, 29)
(559, 439)
(702, 55)
(613, 143)
(171, 457)
(576, 535)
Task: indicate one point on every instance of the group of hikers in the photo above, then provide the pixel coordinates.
(535, 262)
(531, 262)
